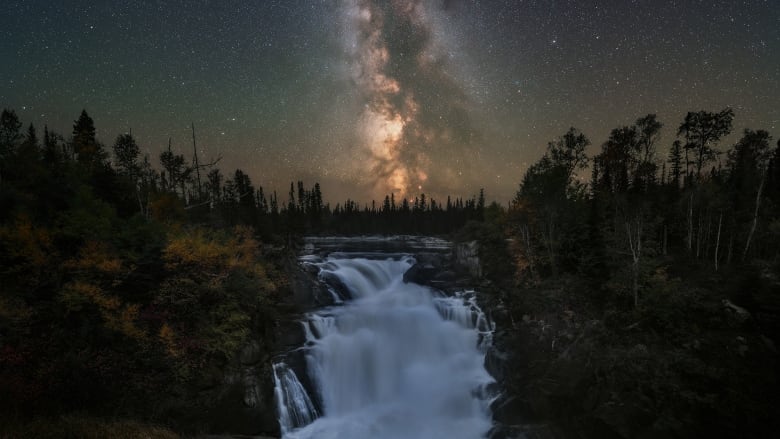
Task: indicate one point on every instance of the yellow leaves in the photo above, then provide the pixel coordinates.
(227, 333)
(116, 316)
(95, 257)
(212, 251)
(194, 248)
(124, 321)
(245, 249)
(168, 339)
(27, 249)
(95, 269)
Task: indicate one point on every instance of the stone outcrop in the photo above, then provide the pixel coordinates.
(467, 256)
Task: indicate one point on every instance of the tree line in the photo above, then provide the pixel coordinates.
(694, 201)
(127, 280)
(180, 189)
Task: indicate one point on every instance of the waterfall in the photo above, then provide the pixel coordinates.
(394, 360)
(295, 406)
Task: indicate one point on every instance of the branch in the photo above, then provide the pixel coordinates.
(210, 164)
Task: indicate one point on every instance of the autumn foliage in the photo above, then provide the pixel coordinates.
(113, 311)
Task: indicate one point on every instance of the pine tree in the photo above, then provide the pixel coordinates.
(88, 151)
(51, 153)
(675, 163)
(10, 135)
(126, 153)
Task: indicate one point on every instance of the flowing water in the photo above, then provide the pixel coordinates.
(392, 360)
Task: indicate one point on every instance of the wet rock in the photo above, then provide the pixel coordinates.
(624, 420)
(337, 285)
(467, 256)
(251, 354)
(508, 410)
(505, 432)
(447, 276)
(735, 311)
(289, 334)
(251, 387)
(420, 273)
(496, 362)
(245, 408)
(769, 344)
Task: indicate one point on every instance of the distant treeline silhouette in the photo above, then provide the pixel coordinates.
(173, 188)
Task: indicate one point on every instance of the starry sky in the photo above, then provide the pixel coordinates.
(369, 97)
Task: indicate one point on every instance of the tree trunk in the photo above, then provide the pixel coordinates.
(717, 240)
(665, 240)
(635, 245)
(708, 235)
(755, 217)
(550, 251)
(526, 233)
(698, 237)
(731, 246)
(140, 202)
(197, 165)
(690, 224)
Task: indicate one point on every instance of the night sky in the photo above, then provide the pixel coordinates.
(368, 97)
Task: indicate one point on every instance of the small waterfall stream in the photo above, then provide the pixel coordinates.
(393, 360)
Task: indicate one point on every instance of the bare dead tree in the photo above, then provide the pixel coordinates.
(634, 232)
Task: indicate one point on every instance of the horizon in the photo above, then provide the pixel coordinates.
(370, 98)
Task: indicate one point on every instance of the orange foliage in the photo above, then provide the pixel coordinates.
(94, 266)
(27, 248)
(168, 338)
(124, 322)
(95, 256)
(212, 251)
(118, 317)
(245, 249)
(79, 293)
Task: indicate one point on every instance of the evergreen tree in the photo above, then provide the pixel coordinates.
(29, 151)
(481, 204)
(51, 151)
(214, 186)
(675, 162)
(648, 130)
(89, 152)
(262, 203)
(10, 136)
(126, 153)
(178, 172)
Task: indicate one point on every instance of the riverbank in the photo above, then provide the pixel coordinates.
(179, 334)
(576, 360)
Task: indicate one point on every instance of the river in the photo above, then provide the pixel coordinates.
(388, 359)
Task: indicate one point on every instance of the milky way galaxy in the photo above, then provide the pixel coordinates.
(372, 97)
(413, 110)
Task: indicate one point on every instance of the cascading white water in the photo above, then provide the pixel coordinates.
(398, 360)
(295, 406)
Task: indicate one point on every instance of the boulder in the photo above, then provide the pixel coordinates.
(420, 273)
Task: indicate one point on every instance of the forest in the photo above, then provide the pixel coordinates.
(645, 301)
(129, 282)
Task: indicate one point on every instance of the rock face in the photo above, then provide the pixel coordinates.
(467, 256)
(246, 404)
(242, 401)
